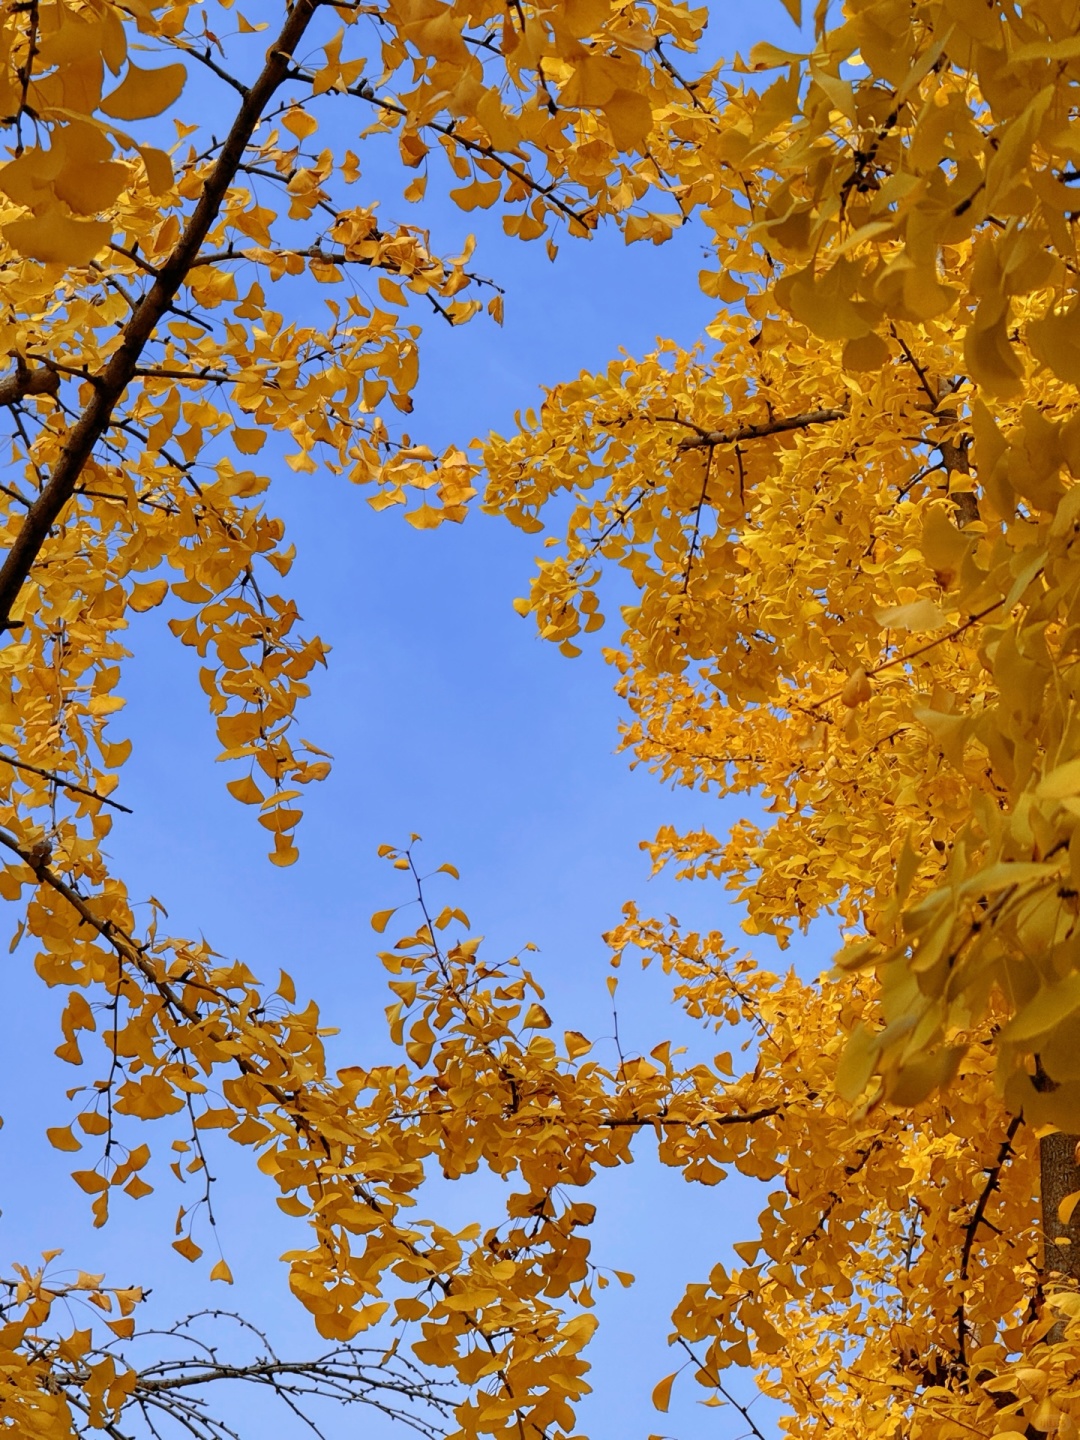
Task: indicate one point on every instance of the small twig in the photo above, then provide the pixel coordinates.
(714, 1381)
(914, 654)
(850, 1171)
(67, 784)
(697, 516)
(920, 371)
(203, 57)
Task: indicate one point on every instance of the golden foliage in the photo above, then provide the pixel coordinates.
(850, 529)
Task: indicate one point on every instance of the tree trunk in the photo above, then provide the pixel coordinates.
(1059, 1176)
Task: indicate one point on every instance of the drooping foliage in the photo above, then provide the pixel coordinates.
(848, 517)
(850, 522)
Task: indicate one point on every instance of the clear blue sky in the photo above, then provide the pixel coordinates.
(447, 716)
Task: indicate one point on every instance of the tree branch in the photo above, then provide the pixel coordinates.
(750, 1117)
(66, 784)
(978, 1217)
(42, 381)
(708, 438)
(121, 368)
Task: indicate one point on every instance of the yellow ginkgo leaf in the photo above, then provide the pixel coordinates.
(300, 123)
(143, 93)
(856, 689)
(146, 595)
(249, 441)
(61, 1138)
(56, 238)
(661, 1395)
(159, 170)
(425, 517)
(245, 790)
(630, 117)
(89, 189)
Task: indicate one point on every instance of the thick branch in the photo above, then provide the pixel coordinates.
(42, 381)
(638, 1122)
(708, 438)
(1059, 1176)
(993, 1175)
(121, 368)
(978, 1217)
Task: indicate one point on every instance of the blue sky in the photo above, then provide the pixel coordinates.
(446, 716)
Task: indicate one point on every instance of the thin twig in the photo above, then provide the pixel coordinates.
(66, 784)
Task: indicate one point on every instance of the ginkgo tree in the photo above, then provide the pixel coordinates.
(848, 518)
(179, 197)
(850, 528)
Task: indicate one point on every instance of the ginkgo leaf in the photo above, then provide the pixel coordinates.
(146, 595)
(584, 17)
(57, 238)
(90, 1181)
(661, 1395)
(857, 689)
(857, 1063)
(300, 123)
(425, 517)
(245, 790)
(88, 189)
(221, 1271)
(61, 1138)
(159, 170)
(916, 615)
(865, 352)
(144, 93)
(631, 118)
(1050, 1005)
(380, 920)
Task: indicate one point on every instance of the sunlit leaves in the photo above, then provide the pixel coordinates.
(848, 531)
(550, 118)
